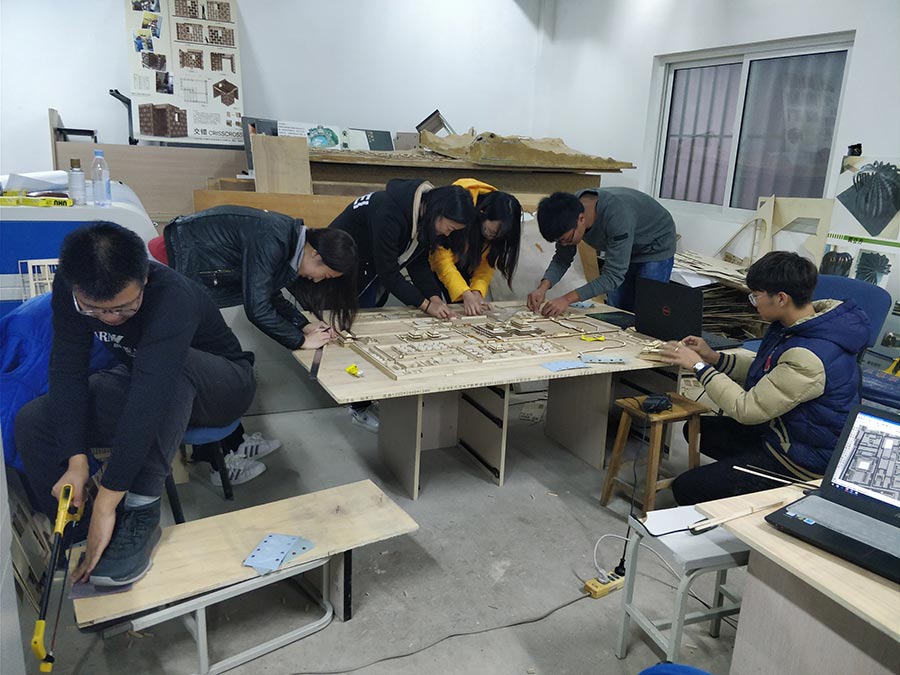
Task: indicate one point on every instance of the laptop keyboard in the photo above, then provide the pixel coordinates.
(849, 523)
(718, 342)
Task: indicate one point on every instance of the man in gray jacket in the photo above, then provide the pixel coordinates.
(635, 231)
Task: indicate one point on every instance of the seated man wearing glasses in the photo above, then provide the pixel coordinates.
(177, 364)
(785, 407)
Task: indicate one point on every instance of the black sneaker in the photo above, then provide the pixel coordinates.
(127, 558)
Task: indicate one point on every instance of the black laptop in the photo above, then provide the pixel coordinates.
(855, 514)
(670, 311)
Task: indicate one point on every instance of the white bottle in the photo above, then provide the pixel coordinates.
(100, 180)
(77, 192)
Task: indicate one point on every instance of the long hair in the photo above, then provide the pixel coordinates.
(339, 295)
(503, 250)
(451, 202)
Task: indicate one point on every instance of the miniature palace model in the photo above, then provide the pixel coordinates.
(402, 343)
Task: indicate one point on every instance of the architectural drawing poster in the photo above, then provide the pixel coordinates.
(186, 71)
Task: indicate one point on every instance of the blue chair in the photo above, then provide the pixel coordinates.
(871, 299)
(211, 438)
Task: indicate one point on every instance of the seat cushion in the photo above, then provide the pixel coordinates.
(202, 435)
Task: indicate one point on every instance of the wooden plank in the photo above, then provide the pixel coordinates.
(869, 596)
(281, 164)
(400, 439)
(316, 210)
(163, 178)
(207, 554)
(577, 412)
(439, 420)
(514, 181)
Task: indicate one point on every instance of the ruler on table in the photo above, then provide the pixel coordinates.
(314, 368)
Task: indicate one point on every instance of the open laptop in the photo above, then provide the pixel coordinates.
(670, 311)
(855, 514)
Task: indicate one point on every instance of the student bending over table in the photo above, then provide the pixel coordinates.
(245, 256)
(178, 364)
(491, 243)
(634, 230)
(785, 407)
(396, 229)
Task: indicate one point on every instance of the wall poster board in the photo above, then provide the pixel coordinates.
(185, 70)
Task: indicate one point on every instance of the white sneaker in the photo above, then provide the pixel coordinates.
(240, 470)
(366, 418)
(256, 447)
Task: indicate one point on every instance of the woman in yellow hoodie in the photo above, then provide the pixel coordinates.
(492, 244)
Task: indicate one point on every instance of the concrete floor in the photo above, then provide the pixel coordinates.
(483, 557)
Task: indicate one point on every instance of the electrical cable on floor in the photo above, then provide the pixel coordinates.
(523, 622)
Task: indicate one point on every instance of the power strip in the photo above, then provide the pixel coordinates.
(598, 589)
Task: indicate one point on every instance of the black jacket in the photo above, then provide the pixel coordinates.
(381, 224)
(242, 256)
(175, 316)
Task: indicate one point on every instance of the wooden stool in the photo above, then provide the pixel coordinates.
(682, 409)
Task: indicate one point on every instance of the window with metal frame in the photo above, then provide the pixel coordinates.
(758, 123)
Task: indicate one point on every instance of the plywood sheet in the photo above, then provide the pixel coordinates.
(871, 597)
(281, 164)
(207, 554)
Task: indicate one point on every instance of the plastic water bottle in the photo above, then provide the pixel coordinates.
(100, 180)
(77, 192)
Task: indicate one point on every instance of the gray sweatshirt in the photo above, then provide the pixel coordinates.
(630, 226)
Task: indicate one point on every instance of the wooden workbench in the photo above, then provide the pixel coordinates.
(471, 408)
(805, 610)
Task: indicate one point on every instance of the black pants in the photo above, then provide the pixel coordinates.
(732, 444)
(211, 392)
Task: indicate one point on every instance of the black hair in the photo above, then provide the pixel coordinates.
(784, 272)
(451, 202)
(502, 250)
(557, 214)
(339, 295)
(102, 258)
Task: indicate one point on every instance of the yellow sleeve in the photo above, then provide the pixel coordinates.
(443, 264)
(481, 278)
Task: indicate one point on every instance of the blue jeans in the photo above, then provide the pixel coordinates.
(623, 296)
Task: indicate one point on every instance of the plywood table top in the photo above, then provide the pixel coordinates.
(345, 388)
(871, 597)
(207, 554)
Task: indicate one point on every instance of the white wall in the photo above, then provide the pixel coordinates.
(579, 69)
(364, 63)
(594, 77)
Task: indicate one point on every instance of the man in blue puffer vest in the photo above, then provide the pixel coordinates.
(785, 408)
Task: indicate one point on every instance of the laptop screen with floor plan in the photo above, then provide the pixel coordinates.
(870, 461)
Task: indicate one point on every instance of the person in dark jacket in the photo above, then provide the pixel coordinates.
(177, 363)
(246, 256)
(785, 408)
(636, 233)
(396, 229)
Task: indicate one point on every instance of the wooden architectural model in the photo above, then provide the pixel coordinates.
(404, 343)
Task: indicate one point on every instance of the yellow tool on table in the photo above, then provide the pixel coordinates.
(65, 514)
(593, 338)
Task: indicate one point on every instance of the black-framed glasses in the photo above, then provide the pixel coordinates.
(125, 310)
